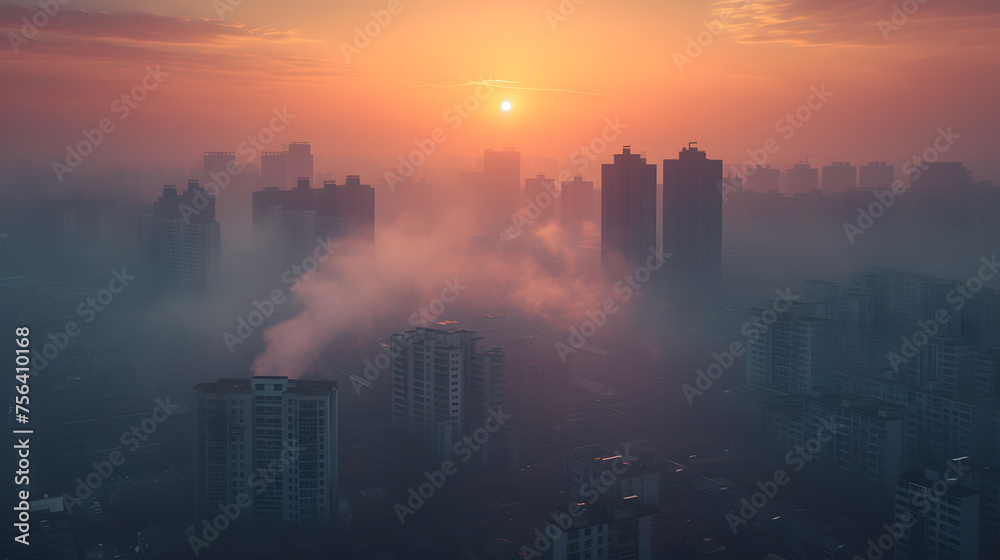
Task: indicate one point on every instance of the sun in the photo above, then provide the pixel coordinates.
(505, 106)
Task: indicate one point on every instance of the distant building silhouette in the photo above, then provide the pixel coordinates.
(941, 174)
(295, 218)
(628, 213)
(763, 179)
(500, 187)
(537, 191)
(250, 430)
(840, 177)
(802, 178)
(182, 241)
(877, 175)
(577, 203)
(299, 163)
(692, 215)
(274, 169)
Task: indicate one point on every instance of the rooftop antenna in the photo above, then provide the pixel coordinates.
(691, 144)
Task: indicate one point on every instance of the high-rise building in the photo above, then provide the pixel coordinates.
(938, 510)
(938, 426)
(577, 203)
(763, 179)
(540, 192)
(877, 175)
(299, 163)
(295, 218)
(270, 439)
(941, 174)
(500, 194)
(800, 179)
(182, 240)
(862, 439)
(443, 387)
(840, 177)
(792, 356)
(274, 169)
(628, 213)
(692, 214)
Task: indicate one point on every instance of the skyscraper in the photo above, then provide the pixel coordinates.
(182, 241)
(692, 215)
(628, 213)
(270, 439)
(577, 201)
(443, 387)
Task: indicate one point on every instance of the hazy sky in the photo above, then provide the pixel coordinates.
(892, 88)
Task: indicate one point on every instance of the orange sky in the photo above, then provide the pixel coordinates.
(604, 60)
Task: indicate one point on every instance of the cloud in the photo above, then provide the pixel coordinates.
(856, 22)
(201, 47)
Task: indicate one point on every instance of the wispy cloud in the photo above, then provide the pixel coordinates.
(855, 22)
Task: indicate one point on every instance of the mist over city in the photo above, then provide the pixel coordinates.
(558, 280)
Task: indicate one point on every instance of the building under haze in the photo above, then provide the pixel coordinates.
(443, 387)
(215, 163)
(274, 169)
(248, 431)
(840, 177)
(941, 510)
(181, 241)
(576, 203)
(692, 215)
(628, 213)
(297, 218)
(877, 175)
(299, 163)
(540, 193)
(500, 187)
(763, 179)
(802, 178)
(792, 355)
(941, 174)
(283, 169)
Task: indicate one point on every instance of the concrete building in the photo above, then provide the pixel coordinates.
(443, 387)
(250, 431)
(182, 241)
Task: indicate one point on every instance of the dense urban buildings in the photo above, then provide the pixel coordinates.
(296, 218)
